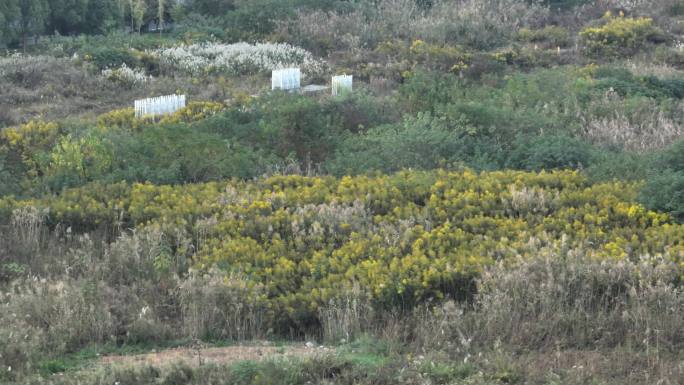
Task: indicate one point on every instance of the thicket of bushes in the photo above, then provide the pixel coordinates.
(563, 305)
(581, 118)
(405, 238)
(284, 256)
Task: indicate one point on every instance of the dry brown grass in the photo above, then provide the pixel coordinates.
(216, 307)
(642, 127)
(346, 318)
(28, 226)
(49, 88)
(656, 132)
(607, 367)
(477, 23)
(195, 356)
(573, 302)
(639, 68)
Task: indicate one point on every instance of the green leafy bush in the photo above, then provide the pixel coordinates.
(664, 189)
(665, 192)
(176, 153)
(108, 57)
(423, 91)
(550, 152)
(8, 181)
(625, 83)
(673, 158)
(10, 271)
(424, 142)
(619, 165)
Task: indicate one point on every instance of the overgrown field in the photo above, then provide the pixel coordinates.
(294, 256)
(499, 200)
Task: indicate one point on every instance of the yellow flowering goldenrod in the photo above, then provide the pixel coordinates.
(401, 238)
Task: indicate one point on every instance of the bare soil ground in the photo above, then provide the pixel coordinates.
(218, 355)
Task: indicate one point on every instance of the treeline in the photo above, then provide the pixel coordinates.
(234, 20)
(21, 20)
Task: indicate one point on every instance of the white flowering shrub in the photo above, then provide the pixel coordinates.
(130, 77)
(238, 58)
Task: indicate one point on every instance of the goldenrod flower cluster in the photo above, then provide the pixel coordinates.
(403, 238)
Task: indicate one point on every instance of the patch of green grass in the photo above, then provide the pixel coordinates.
(54, 366)
(365, 353)
(443, 373)
(244, 371)
(365, 360)
(366, 344)
(76, 361)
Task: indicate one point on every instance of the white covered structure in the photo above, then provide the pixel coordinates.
(161, 105)
(341, 83)
(286, 79)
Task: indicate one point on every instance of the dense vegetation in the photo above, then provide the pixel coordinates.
(296, 250)
(499, 200)
(605, 120)
(404, 238)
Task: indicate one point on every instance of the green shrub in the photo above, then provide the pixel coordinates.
(673, 158)
(74, 161)
(11, 271)
(244, 372)
(179, 374)
(423, 91)
(619, 166)
(177, 153)
(197, 28)
(442, 373)
(54, 366)
(423, 142)
(625, 83)
(664, 189)
(8, 181)
(672, 88)
(297, 125)
(107, 57)
(550, 152)
(677, 8)
(665, 192)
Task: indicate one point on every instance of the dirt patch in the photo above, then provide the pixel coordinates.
(217, 355)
